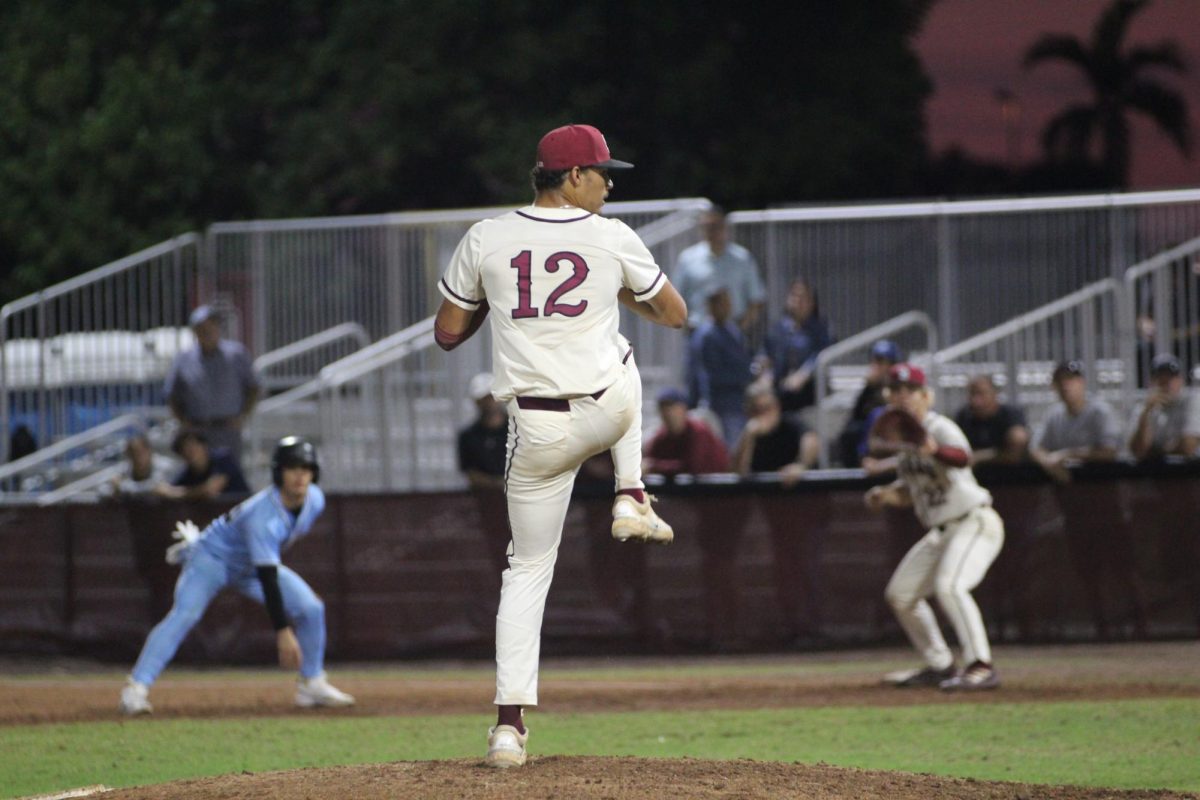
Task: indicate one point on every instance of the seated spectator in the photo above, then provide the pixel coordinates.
(1167, 423)
(1095, 521)
(206, 473)
(852, 443)
(721, 365)
(482, 457)
(481, 445)
(772, 442)
(792, 346)
(1080, 429)
(683, 444)
(996, 431)
(142, 475)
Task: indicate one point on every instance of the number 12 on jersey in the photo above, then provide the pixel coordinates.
(523, 264)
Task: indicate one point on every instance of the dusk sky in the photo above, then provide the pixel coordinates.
(972, 48)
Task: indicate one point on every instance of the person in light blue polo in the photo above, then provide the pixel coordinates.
(241, 550)
(718, 263)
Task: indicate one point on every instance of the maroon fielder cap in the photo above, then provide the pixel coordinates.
(906, 375)
(576, 146)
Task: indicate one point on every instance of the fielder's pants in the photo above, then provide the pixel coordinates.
(203, 576)
(948, 562)
(545, 450)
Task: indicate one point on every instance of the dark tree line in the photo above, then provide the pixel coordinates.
(125, 122)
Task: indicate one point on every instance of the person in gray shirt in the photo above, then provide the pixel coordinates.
(1095, 522)
(212, 387)
(1081, 429)
(1167, 423)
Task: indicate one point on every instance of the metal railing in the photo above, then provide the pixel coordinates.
(1020, 354)
(389, 414)
(92, 347)
(59, 457)
(1163, 313)
(303, 354)
(969, 265)
(298, 410)
(292, 278)
(915, 321)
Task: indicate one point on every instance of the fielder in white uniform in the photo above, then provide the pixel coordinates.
(965, 536)
(551, 274)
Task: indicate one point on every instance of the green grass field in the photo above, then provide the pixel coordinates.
(1124, 744)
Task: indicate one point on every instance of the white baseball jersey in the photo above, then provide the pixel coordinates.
(550, 276)
(940, 492)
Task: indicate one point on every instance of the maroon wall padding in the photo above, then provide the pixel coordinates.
(1114, 554)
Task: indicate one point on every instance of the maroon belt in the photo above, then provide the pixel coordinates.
(551, 403)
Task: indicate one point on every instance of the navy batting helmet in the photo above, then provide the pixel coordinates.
(294, 451)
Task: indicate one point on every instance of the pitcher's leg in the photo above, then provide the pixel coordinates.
(537, 532)
(627, 452)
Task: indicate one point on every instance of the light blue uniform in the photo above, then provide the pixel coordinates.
(253, 534)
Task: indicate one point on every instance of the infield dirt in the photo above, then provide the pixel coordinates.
(1031, 675)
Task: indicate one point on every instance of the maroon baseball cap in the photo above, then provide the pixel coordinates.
(576, 146)
(906, 374)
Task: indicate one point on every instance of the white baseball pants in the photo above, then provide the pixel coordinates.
(545, 450)
(948, 562)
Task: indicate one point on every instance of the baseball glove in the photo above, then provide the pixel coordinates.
(898, 427)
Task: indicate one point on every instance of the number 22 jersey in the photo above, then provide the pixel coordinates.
(941, 493)
(551, 276)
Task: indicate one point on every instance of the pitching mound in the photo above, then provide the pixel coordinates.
(583, 778)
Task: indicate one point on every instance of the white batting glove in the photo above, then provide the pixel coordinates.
(187, 533)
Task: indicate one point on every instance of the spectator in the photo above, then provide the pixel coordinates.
(1094, 520)
(481, 445)
(718, 262)
(1080, 429)
(852, 443)
(22, 443)
(482, 457)
(212, 387)
(686, 445)
(772, 442)
(1167, 423)
(143, 473)
(998, 435)
(207, 473)
(996, 431)
(721, 365)
(683, 444)
(792, 346)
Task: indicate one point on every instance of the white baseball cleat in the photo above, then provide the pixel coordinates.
(135, 699)
(506, 747)
(313, 692)
(634, 520)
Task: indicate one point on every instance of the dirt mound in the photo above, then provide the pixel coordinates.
(585, 778)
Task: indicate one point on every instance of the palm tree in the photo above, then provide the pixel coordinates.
(1119, 85)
